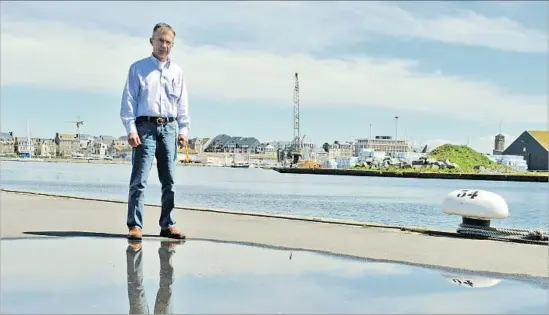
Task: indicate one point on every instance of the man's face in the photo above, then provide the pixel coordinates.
(162, 43)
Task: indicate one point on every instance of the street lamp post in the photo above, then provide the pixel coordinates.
(396, 127)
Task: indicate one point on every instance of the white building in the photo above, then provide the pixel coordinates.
(516, 162)
(25, 146)
(382, 143)
(99, 148)
(266, 148)
(338, 149)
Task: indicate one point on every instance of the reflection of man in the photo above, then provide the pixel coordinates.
(136, 291)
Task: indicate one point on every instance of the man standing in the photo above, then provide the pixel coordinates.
(154, 111)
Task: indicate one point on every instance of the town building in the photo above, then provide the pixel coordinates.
(66, 144)
(24, 146)
(267, 148)
(534, 146)
(226, 143)
(105, 139)
(198, 144)
(7, 143)
(98, 148)
(338, 149)
(382, 143)
(119, 148)
(44, 147)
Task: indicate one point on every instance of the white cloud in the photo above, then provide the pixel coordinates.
(295, 26)
(467, 28)
(82, 264)
(66, 45)
(55, 55)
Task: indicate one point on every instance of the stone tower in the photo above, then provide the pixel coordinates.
(499, 144)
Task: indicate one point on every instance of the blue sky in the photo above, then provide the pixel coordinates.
(450, 70)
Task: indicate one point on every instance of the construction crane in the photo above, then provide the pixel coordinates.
(296, 147)
(78, 123)
(188, 158)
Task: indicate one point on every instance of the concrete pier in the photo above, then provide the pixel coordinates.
(28, 215)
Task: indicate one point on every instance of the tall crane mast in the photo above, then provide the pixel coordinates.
(78, 123)
(297, 135)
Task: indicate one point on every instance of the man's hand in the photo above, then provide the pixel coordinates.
(182, 141)
(133, 139)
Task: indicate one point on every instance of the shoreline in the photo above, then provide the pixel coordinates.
(405, 246)
(119, 162)
(45, 160)
(410, 174)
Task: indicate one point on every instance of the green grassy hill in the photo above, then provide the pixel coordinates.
(465, 157)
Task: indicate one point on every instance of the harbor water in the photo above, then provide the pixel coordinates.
(398, 201)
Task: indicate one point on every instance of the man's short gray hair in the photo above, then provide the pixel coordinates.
(163, 27)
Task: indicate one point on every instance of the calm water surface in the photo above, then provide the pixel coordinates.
(387, 200)
(200, 277)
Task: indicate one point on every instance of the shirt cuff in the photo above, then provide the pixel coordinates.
(183, 131)
(130, 127)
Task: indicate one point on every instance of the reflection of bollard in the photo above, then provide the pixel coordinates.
(470, 281)
(476, 207)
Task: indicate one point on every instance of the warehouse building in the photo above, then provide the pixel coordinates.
(533, 145)
(382, 143)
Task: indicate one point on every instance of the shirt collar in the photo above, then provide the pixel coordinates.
(156, 62)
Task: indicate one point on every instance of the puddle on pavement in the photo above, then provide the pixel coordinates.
(105, 275)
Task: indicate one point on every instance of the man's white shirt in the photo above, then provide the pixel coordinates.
(157, 89)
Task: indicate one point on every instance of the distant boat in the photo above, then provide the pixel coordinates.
(240, 165)
(234, 164)
(25, 147)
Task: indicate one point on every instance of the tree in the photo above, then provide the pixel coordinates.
(326, 147)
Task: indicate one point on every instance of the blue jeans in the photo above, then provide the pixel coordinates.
(136, 290)
(158, 140)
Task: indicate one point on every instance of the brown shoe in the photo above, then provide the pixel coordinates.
(134, 246)
(171, 244)
(135, 234)
(172, 232)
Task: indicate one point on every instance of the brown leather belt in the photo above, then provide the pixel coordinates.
(156, 120)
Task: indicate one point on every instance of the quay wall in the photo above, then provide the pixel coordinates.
(409, 174)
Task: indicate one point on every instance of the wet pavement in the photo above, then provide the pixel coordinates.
(107, 275)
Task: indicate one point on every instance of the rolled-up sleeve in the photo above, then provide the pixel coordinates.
(129, 101)
(183, 118)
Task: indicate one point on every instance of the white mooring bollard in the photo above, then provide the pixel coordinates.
(476, 207)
